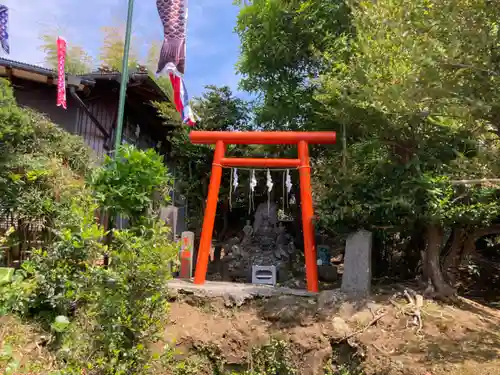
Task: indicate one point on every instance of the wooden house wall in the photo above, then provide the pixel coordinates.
(42, 98)
(103, 104)
(104, 110)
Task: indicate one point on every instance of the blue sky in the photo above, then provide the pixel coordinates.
(212, 48)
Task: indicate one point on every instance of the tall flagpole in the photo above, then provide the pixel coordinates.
(125, 77)
(121, 109)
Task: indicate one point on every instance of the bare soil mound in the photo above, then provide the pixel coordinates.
(328, 334)
(324, 334)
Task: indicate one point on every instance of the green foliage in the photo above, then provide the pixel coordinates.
(6, 356)
(126, 183)
(193, 365)
(219, 110)
(52, 279)
(113, 46)
(59, 270)
(127, 305)
(77, 60)
(411, 126)
(413, 87)
(302, 32)
(41, 168)
(18, 296)
(272, 358)
(120, 309)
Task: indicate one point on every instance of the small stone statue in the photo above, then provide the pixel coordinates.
(281, 242)
(266, 214)
(247, 231)
(264, 226)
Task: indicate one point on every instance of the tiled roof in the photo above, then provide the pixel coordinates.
(34, 68)
(88, 78)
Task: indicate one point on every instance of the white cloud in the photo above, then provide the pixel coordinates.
(76, 20)
(27, 20)
(212, 49)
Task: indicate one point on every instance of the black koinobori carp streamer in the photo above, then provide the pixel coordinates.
(173, 15)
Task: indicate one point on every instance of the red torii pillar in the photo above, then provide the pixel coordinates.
(221, 139)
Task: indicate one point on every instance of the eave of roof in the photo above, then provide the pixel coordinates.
(136, 76)
(38, 70)
(88, 79)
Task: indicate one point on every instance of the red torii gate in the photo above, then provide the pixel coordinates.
(221, 139)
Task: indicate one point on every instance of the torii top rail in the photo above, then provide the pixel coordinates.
(221, 140)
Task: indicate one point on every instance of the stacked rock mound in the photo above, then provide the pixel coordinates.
(264, 243)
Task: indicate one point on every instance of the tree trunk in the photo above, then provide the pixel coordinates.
(225, 218)
(432, 265)
(452, 258)
(413, 252)
(470, 242)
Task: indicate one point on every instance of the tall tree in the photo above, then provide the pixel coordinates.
(111, 53)
(218, 109)
(77, 60)
(283, 46)
(414, 84)
(418, 96)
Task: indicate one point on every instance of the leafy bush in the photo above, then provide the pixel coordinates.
(50, 281)
(102, 319)
(128, 301)
(126, 184)
(272, 358)
(60, 270)
(19, 295)
(42, 168)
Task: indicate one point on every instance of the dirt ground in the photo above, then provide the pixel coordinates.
(381, 334)
(325, 334)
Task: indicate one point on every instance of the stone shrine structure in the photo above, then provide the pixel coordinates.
(265, 243)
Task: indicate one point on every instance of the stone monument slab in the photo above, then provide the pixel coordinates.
(356, 280)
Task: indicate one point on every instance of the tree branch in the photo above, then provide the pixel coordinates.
(471, 67)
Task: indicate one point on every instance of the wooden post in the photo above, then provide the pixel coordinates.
(306, 206)
(209, 218)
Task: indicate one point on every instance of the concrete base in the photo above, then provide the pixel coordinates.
(222, 289)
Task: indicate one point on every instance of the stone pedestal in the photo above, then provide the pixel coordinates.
(356, 280)
(186, 255)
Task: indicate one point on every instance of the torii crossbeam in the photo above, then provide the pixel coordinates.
(221, 140)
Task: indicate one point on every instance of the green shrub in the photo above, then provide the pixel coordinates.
(127, 304)
(42, 167)
(272, 358)
(19, 296)
(102, 319)
(60, 269)
(50, 282)
(127, 301)
(126, 184)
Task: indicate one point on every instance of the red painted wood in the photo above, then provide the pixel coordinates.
(302, 140)
(263, 163)
(262, 138)
(200, 274)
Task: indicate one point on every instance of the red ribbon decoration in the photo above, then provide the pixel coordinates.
(61, 81)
